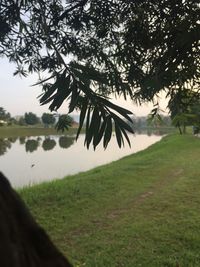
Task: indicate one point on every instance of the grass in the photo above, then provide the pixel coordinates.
(16, 131)
(142, 210)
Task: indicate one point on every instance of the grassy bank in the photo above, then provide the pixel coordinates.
(142, 210)
(17, 131)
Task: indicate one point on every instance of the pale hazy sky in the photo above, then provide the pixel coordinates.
(17, 95)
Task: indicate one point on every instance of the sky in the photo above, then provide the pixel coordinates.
(17, 95)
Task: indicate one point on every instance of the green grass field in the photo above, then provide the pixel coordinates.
(16, 131)
(143, 210)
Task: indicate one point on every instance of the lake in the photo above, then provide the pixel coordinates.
(31, 160)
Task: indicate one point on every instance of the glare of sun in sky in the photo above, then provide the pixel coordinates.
(18, 96)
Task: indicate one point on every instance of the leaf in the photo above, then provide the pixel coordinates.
(123, 124)
(118, 135)
(82, 115)
(108, 131)
(126, 136)
(48, 93)
(91, 129)
(45, 80)
(96, 129)
(99, 136)
(74, 97)
(124, 112)
(62, 93)
(87, 127)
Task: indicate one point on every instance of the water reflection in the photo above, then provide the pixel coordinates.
(65, 141)
(12, 139)
(154, 131)
(22, 140)
(48, 144)
(36, 159)
(5, 144)
(32, 144)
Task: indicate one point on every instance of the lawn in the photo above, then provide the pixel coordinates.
(16, 131)
(143, 210)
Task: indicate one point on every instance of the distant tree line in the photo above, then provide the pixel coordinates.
(157, 121)
(31, 119)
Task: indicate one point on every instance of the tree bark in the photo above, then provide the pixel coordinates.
(23, 243)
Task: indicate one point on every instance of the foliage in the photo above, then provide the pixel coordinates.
(48, 118)
(4, 116)
(155, 120)
(152, 120)
(21, 121)
(31, 118)
(64, 122)
(92, 48)
(187, 111)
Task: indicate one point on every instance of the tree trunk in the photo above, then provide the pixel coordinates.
(179, 127)
(23, 243)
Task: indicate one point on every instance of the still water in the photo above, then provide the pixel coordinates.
(31, 160)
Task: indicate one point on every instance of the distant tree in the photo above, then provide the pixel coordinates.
(187, 111)
(5, 116)
(31, 118)
(48, 119)
(65, 121)
(155, 121)
(21, 121)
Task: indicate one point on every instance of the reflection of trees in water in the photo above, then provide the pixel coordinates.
(48, 144)
(12, 139)
(5, 144)
(154, 131)
(66, 141)
(22, 140)
(31, 145)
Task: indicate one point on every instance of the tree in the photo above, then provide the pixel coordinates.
(30, 118)
(48, 119)
(185, 109)
(4, 116)
(94, 48)
(64, 122)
